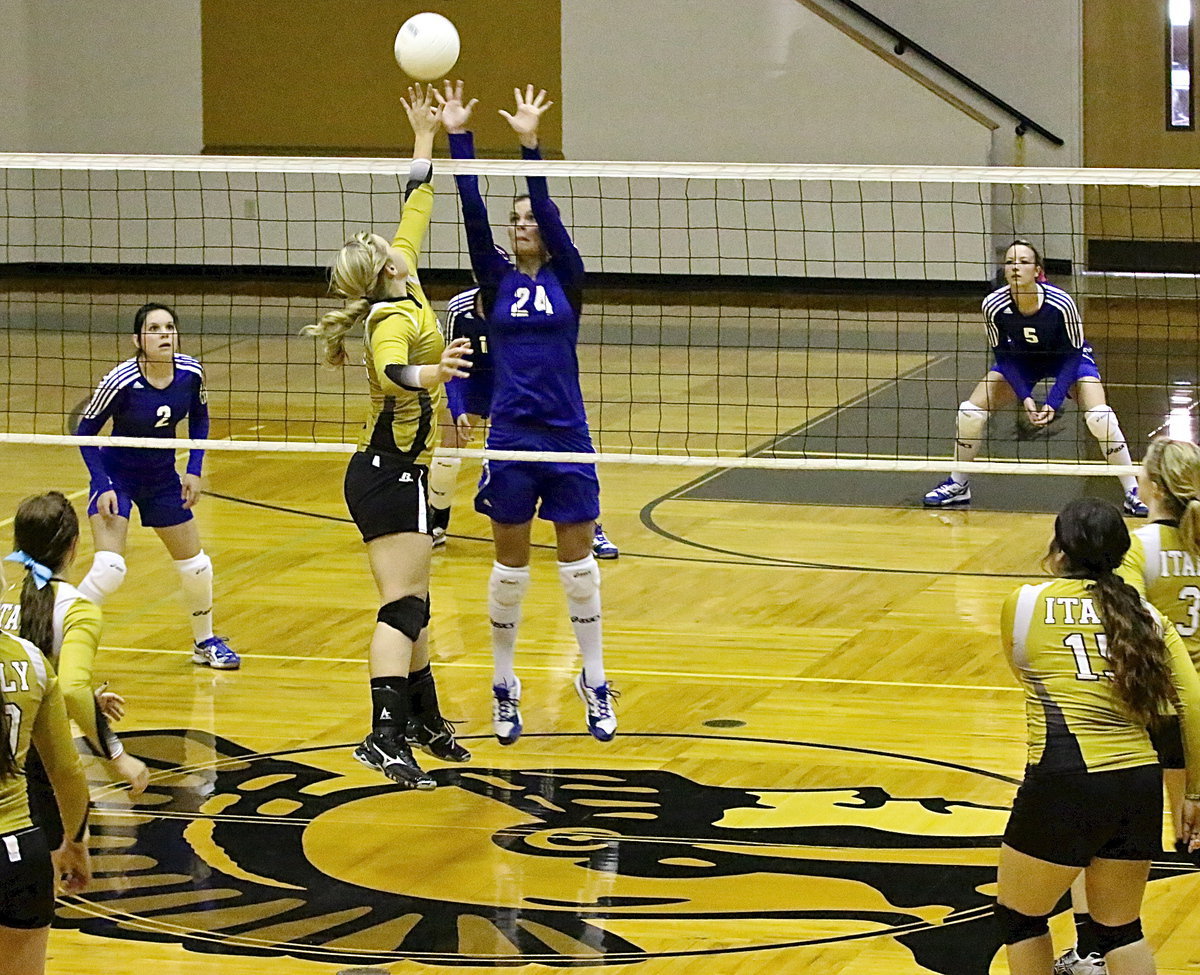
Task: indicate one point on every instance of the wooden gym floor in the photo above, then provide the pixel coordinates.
(818, 741)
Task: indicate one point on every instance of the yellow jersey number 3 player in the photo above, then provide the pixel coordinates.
(408, 364)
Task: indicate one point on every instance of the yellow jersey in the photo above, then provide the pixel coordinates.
(35, 713)
(404, 332)
(1158, 567)
(77, 625)
(1075, 722)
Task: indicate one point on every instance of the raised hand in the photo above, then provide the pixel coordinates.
(455, 114)
(423, 110)
(456, 361)
(528, 115)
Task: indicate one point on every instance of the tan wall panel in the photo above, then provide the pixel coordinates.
(1124, 85)
(1124, 122)
(318, 76)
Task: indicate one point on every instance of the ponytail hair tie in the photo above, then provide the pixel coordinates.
(41, 574)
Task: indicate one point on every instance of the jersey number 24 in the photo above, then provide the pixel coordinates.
(541, 302)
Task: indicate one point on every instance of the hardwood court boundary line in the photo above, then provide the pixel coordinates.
(673, 674)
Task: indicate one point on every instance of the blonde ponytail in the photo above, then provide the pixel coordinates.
(354, 276)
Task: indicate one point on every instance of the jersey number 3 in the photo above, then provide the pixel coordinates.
(541, 302)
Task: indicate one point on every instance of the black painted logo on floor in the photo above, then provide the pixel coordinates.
(686, 852)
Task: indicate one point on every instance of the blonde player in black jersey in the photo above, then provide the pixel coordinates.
(407, 365)
(1163, 564)
(32, 713)
(1097, 665)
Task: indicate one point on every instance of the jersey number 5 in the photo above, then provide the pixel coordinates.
(1031, 335)
(541, 302)
(164, 416)
(1077, 644)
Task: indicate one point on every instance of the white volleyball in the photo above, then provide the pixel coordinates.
(426, 46)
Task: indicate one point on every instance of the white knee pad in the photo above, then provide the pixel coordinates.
(507, 585)
(443, 473)
(1102, 424)
(104, 577)
(197, 567)
(969, 424)
(581, 579)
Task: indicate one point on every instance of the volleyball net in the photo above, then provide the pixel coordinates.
(735, 315)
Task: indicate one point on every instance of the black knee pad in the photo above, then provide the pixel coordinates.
(408, 614)
(1016, 927)
(1110, 939)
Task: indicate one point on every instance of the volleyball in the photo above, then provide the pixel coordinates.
(426, 46)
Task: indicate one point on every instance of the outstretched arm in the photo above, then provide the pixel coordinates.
(488, 264)
(425, 117)
(564, 256)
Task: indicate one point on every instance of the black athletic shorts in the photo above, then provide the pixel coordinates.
(43, 807)
(386, 495)
(1073, 817)
(1167, 739)
(26, 880)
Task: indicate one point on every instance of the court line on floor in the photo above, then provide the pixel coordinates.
(563, 669)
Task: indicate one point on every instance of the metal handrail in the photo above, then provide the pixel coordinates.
(905, 43)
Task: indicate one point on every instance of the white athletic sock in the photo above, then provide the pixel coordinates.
(581, 580)
(443, 474)
(196, 580)
(506, 590)
(104, 577)
(1102, 424)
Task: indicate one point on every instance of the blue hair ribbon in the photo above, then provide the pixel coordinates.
(41, 574)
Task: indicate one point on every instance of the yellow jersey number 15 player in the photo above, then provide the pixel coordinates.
(386, 480)
(1097, 665)
(32, 713)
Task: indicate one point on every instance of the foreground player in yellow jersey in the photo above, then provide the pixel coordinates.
(407, 363)
(32, 713)
(1163, 564)
(1097, 665)
(65, 625)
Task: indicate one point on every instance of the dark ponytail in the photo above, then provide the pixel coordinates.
(1092, 539)
(45, 528)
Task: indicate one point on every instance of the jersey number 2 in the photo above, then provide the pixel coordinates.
(164, 416)
(541, 302)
